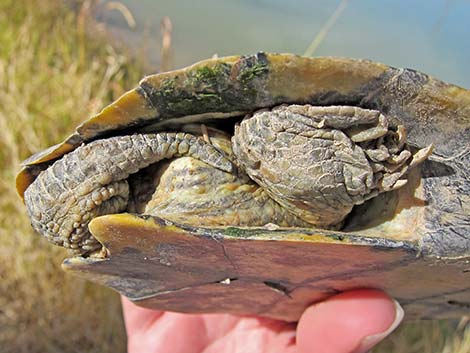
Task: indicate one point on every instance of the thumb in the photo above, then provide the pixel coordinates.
(350, 322)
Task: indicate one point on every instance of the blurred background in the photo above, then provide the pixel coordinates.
(62, 61)
(429, 36)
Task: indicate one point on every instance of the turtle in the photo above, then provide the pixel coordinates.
(257, 184)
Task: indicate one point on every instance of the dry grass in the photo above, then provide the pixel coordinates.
(52, 75)
(440, 336)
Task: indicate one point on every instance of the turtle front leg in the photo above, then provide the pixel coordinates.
(318, 162)
(91, 181)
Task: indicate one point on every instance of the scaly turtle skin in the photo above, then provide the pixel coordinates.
(323, 141)
(316, 162)
(188, 190)
(319, 162)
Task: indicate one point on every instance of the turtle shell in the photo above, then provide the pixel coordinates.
(415, 244)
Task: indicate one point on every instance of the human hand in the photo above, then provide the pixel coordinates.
(350, 322)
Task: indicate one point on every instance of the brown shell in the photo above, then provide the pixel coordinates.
(416, 246)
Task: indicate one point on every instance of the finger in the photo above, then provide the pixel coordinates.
(137, 318)
(351, 322)
(152, 331)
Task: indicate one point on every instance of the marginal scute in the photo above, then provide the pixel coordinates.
(131, 108)
(325, 80)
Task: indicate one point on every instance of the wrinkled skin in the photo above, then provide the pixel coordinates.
(337, 325)
(313, 165)
(92, 181)
(319, 162)
(189, 191)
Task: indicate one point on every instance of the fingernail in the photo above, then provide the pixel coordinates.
(370, 341)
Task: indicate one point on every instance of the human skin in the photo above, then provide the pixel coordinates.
(350, 322)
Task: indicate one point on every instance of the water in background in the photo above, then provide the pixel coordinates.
(431, 36)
